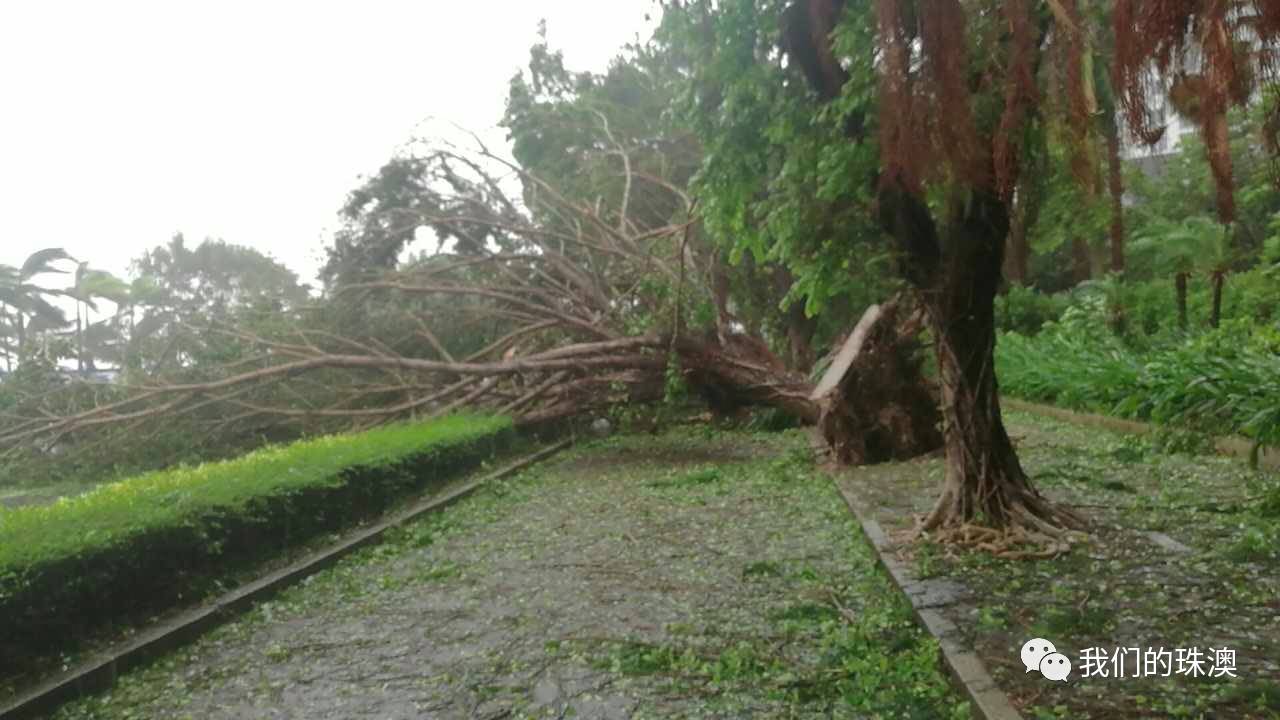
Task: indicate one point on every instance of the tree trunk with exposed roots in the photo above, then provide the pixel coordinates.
(985, 482)
(929, 133)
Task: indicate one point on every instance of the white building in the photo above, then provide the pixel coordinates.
(1176, 128)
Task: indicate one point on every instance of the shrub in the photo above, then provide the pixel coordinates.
(1025, 310)
(1067, 368)
(1151, 309)
(1221, 382)
(144, 543)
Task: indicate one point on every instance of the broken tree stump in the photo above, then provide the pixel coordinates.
(874, 402)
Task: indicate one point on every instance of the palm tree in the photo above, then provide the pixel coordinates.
(27, 303)
(88, 286)
(1195, 245)
(8, 332)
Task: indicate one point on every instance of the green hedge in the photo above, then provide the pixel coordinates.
(143, 544)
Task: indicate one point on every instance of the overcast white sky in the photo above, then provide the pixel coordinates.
(123, 122)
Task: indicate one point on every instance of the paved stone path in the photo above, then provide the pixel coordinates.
(574, 590)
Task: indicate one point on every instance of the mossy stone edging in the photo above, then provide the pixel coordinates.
(963, 664)
(100, 672)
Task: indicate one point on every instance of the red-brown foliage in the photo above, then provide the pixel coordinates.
(903, 138)
(1070, 58)
(1020, 96)
(943, 38)
(927, 98)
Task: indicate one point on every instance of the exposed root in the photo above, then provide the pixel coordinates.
(1013, 543)
(1044, 533)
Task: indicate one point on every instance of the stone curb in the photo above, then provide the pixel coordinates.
(926, 597)
(101, 670)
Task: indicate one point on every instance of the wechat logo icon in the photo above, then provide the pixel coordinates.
(1041, 656)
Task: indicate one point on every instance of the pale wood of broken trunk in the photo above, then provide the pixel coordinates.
(848, 354)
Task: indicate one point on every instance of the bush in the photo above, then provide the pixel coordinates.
(1068, 369)
(1253, 295)
(1225, 381)
(1025, 310)
(1151, 307)
(142, 544)
(772, 420)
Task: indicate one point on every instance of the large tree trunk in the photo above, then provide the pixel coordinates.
(741, 371)
(884, 408)
(876, 406)
(984, 482)
(958, 279)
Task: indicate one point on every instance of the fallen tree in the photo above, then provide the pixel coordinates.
(583, 306)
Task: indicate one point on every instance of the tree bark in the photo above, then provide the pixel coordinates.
(984, 482)
(1115, 184)
(742, 371)
(1081, 269)
(1216, 280)
(1180, 293)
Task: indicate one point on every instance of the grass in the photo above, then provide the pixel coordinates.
(38, 493)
